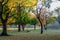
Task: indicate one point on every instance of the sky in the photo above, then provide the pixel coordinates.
(54, 5)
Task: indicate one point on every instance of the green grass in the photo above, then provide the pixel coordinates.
(32, 35)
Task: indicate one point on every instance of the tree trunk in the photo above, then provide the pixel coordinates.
(19, 28)
(4, 31)
(45, 27)
(41, 25)
(41, 28)
(23, 27)
(34, 27)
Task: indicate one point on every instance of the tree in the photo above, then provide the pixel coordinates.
(21, 10)
(6, 7)
(33, 22)
(51, 20)
(41, 11)
(47, 3)
(22, 16)
(4, 11)
(58, 11)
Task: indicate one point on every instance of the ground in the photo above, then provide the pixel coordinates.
(49, 34)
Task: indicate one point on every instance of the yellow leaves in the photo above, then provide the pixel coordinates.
(31, 15)
(34, 2)
(10, 20)
(25, 3)
(30, 3)
(11, 3)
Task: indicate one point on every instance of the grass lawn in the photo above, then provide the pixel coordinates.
(32, 35)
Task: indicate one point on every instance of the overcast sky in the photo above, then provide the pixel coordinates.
(54, 4)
